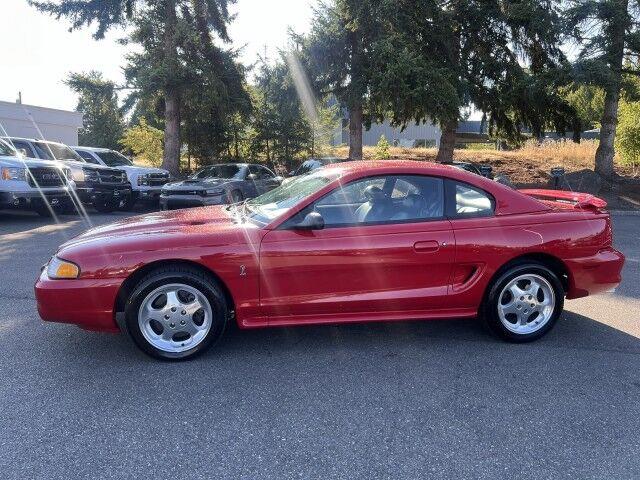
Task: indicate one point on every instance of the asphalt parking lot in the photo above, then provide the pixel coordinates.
(438, 399)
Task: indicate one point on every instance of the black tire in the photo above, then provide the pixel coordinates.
(489, 309)
(128, 204)
(236, 196)
(104, 206)
(42, 209)
(193, 277)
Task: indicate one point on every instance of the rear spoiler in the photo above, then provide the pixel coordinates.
(578, 200)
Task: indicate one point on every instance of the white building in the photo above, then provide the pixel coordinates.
(20, 120)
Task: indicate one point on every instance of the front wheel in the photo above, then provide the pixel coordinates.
(176, 313)
(105, 206)
(524, 303)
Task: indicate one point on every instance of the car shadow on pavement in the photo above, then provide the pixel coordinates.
(386, 339)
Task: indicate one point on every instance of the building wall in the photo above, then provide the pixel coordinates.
(29, 121)
(412, 133)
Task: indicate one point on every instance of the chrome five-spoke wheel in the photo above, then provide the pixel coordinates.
(526, 303)
(175, 317)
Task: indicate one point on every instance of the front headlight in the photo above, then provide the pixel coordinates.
(215, 191)
(90, 175)
(62, 269)
(14, 173)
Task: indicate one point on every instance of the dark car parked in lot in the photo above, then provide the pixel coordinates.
(219, 184)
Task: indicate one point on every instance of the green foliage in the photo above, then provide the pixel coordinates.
(145, 142)
(323, 128)
(628, 133)
(588, 101)
(102, 120)
(282, 130)
(382, 151)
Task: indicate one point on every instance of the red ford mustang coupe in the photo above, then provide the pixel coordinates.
(351, 242)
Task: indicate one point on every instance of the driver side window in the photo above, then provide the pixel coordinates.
(383, 199)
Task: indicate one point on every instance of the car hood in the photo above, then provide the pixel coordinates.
(190, 184)
(138, 169)
(160, 223)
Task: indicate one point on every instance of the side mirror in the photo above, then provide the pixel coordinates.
(312, 221)
(23, 152)
(278, 179)
(252, 176)
(292, 173)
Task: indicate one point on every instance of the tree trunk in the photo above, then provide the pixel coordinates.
(609, 122)
(355, 133)
(171, 157)
(447, 142)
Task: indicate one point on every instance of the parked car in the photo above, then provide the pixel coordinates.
(25, 184)
(219, 184)
(313, 163)
(482, 170)
(103, 187)
(361, 241)
(146, 182)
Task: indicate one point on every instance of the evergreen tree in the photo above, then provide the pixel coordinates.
(338, 54)
(607, 31)
(102, 120)
(175, 36)
(435, 59)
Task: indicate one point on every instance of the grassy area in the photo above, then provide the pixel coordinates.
(529, 164)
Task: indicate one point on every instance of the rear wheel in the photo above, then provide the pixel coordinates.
(176, 313)
(524, 303)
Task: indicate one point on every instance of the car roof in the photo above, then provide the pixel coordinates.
(92, 149)
(25, 139)
(508, 200)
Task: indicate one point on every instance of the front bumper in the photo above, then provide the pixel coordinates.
(170, 202)
(28, 199)
(91, 194)
(596, 274)
(87, 303)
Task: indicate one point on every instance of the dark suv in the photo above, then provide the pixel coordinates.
(103, 187)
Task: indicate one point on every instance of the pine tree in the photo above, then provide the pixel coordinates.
(173, 34)
(608, 31)
(102, 119)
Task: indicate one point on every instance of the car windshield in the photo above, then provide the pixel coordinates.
(56, 151)
(307, 166)
(7, 150)
(274, 203)
(219, 171)
(114, 159)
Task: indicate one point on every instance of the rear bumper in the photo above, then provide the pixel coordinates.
(597, 274)
(86, 303)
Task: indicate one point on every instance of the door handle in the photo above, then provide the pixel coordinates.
(426, 246)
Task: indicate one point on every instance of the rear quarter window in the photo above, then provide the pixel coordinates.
(465, 201)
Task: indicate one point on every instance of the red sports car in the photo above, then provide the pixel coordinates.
(351, 242)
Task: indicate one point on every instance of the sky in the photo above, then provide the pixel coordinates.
(38, 52)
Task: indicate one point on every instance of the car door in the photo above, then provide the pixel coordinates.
(398, 261)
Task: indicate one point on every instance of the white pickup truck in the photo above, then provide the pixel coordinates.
(146, 182)
(28, 184)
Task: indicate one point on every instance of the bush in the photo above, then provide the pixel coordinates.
(382, 151)
(628, 133)
(145, 142)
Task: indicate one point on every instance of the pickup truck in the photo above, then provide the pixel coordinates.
(103, 187)
(40, 186)
(146, 182)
